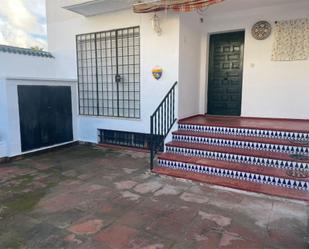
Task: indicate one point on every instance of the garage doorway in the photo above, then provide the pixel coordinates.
(45, 114)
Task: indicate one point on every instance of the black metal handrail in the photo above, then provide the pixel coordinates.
(161, 122)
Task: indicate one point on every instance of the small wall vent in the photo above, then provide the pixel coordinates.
(125, 138)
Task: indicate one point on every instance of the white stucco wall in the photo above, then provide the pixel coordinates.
(189, 64)
(270, 89)
(17, 65)
(3, 119)
(16, 70)
(155, 51)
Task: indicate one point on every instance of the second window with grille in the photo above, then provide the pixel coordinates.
(109, 73)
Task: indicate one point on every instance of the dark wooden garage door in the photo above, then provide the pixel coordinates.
(225, 73)
(45, 116)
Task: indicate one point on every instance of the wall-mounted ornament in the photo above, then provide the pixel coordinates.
(261, 30)
(156, 24)
(157, 72)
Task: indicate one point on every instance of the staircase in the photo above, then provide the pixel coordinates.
(269, 156)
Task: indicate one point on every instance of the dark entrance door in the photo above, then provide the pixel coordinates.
(45, 116)
(225, 73)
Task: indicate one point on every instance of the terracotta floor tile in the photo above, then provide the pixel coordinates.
(117, 236)
(234, 183)
(235, 151)
(240, 138)
(87, 227)
(135, 219)
(66, 211)
(167, 228)
(255, 123)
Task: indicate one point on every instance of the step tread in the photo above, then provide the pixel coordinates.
(236, 151)
(276, 141)
(264, 170)
(237, 184)
(286, 125)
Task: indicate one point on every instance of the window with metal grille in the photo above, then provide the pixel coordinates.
(109, 73)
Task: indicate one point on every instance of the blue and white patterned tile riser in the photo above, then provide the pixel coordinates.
(242, 144)
(268, 162)
(246, 132)
(257, 178)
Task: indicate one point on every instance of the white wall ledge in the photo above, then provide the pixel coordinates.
(3, 149)
(41, 79)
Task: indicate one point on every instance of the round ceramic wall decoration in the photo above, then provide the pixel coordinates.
(261, 30)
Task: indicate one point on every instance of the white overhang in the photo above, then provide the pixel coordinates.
(97, 7)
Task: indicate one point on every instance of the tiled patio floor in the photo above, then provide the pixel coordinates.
(85, 197)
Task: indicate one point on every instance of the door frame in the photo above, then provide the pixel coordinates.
(207, 64)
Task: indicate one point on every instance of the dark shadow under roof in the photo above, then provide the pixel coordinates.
(25, 51)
